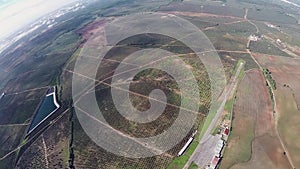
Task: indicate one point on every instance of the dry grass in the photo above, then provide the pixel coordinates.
(288, 123)
(253, 142)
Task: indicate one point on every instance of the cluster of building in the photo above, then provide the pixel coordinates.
(215, 161)
(256, 37)
(280, 44)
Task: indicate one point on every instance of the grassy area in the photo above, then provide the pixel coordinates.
(179, 162)
(240, 61)
(268, 76)
(288, 123)
(272, 86)
(193, 166)
(242, 138)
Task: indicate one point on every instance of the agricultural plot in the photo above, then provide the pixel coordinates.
(89, 155)
(231, 37)
(253, 140)
(265, 47)
(286, 74)
(288, 122)
(221, 42)
(51, 149)
(229, 59)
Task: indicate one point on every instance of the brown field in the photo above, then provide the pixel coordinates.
(285, 72)
(253, 142)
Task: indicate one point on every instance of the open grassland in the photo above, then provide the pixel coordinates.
(285, 72)
(253, 128)
(288, 123)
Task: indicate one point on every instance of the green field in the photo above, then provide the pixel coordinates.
(265, 47)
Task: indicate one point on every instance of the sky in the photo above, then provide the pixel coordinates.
(15, 14)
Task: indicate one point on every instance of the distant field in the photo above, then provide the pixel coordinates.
(206, 8)
(231, 37)
(266, 47)
(225, 42)
(271, 15)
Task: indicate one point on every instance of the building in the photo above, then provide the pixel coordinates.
(226, 131)
(214, 163)
(185, 146)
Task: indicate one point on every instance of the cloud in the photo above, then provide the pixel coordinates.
(14, 15)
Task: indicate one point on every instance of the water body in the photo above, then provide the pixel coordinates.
(46, 108)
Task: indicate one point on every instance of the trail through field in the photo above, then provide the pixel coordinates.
(13, 125)
(45, 151)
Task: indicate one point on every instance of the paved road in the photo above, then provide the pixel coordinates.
(204, 148)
